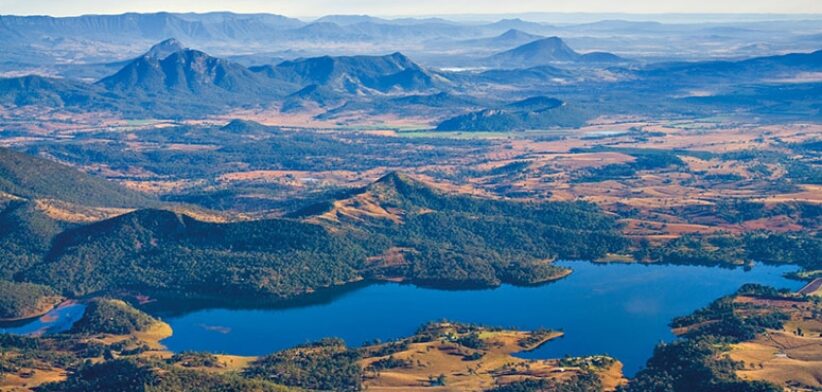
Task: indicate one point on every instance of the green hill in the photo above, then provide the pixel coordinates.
(162, 251)
(30, 177)
(446, 239)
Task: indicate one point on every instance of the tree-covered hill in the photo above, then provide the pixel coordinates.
(438, 239)
(31, 177)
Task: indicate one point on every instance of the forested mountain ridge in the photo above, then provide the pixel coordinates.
(440, 239)
(406, 230)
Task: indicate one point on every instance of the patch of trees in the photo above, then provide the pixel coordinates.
(21, 299)
(799, 248)
(389, 363)
(325, 365)
(195, 359)
(268, 149)
(584, 382)
(738, 211)
(644, 159)
(534, 338)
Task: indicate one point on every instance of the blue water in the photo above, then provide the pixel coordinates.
(57, 320)
(618, 309)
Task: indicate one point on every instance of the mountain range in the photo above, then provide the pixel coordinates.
(353, 74)
(170, 81)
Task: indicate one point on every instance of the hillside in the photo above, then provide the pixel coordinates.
(454, 240)
(30, 177)
(39, 90)
(24, 300)
(26, 230)
(160, 251)
(26, 235)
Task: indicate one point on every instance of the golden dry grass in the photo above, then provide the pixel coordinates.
(496, 366)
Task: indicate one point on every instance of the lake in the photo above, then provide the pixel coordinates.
(618, 309)
(59, 319)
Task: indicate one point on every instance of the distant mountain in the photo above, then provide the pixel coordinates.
(516, 24)
(325, 31)
(508, 39)
(514, 36)
(542, 51)
(355, 74)
(531, 113)
(620, 26)
(191, 74)
(169, 80)
(347, 20)
(546, 51)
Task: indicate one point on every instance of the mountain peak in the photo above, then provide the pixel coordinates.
(538, 52)
(165, 48)
(513, 33)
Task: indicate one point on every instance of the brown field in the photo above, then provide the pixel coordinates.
(785, 357)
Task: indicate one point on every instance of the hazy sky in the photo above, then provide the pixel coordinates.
(307, 8)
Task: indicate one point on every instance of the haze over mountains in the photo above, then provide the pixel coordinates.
(38, 41)
(198, 65)
(170, 80)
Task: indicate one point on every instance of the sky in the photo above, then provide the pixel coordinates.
(312, 8)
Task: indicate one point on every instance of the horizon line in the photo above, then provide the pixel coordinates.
(780, 15)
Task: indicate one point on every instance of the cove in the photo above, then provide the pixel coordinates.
(621, 310)
(59, 319)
